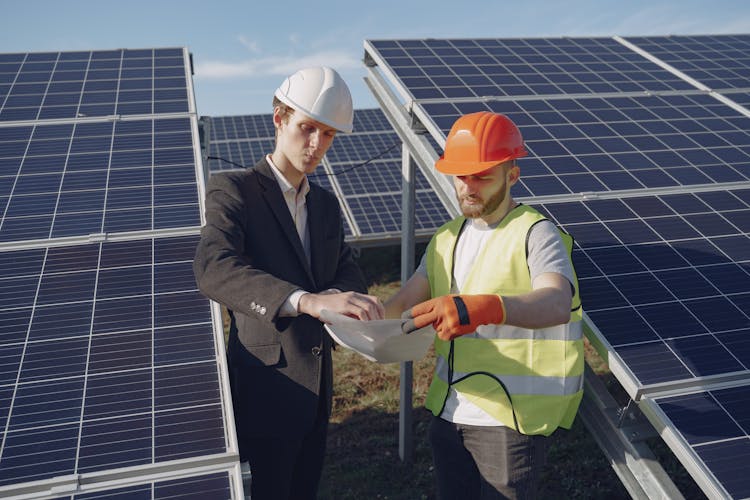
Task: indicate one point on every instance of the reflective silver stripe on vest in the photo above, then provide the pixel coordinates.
(519, 384)
(568, 332)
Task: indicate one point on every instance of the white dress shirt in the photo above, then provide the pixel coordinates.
(296, 202)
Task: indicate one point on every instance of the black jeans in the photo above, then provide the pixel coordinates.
(485, 463)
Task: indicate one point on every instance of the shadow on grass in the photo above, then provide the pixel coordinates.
(362, 459)
(362, 462)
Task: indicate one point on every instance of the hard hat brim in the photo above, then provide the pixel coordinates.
(469, 168)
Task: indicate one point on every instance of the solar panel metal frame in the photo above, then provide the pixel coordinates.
(107, 484)
(227, 461)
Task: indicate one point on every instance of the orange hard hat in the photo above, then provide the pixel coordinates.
(478, 141)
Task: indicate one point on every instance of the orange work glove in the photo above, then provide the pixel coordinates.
(455, 315)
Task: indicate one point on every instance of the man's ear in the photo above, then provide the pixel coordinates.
(514, 174)
(277, 117)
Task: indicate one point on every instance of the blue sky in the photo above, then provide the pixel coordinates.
(242, 50)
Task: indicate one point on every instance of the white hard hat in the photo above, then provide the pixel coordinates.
(321, 94)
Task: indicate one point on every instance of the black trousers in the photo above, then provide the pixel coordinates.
(290, 468)
(473, 462)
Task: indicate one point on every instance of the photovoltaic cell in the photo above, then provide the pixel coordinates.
(374, 198)
(94, 362)
(241, 140)
(742, 98)
(233, 155)
(354, 149)
(446, 69)
(380, 213)
(91, 177)
(718, 61)
(619, 143)
(715, 427)
(66, 85)
(665, 279)
(379, 176)
(364, 166)
(372, 119)
(241, 127)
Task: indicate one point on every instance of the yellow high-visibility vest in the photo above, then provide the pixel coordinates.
(530, 380)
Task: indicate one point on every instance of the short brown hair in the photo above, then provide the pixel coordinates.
(284, 110)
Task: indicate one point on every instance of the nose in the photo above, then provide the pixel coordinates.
(465, 184)
(315, 139)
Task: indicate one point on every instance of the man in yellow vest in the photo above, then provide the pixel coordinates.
(498, 285)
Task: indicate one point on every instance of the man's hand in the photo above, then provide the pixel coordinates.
(352, 304)
(455, 315)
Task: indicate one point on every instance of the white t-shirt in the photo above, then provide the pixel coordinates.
(547, 254)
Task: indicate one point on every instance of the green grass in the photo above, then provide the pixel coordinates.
(362, 458)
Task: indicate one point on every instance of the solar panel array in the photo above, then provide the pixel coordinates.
(639, 148)
(363, 169)
(111, 366)
(90, 177)
(55, 85)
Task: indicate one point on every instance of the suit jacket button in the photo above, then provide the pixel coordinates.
(317, 351)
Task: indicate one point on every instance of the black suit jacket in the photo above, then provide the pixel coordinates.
(250, 259)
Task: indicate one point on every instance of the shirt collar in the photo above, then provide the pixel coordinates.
(284, 184)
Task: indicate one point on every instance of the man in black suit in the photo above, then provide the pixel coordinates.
(273, 252)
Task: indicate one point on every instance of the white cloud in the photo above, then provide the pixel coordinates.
(274, 66)
(250, 45)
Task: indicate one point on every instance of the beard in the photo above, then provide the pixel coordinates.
(486, 208)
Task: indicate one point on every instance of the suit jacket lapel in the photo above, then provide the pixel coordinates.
(275, 200)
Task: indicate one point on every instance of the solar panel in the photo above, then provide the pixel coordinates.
(447, 69)
(241, 141)
(665, 278)
(619, 143)
(710, 428)
(718, 61)
(370, 194)
(79, 178)
(239, 127)
(56, 85)
(98, 345)
(112, 382)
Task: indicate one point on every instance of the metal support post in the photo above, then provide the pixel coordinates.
(405, 421)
